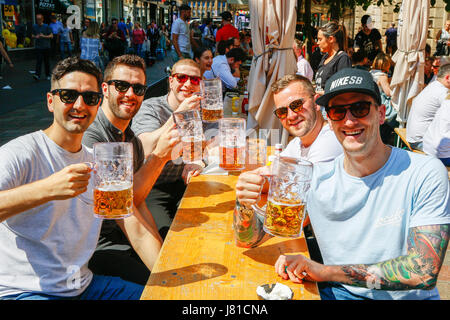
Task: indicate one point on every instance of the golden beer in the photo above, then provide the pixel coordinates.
(212, 115)
(113, 201)
(192, 149)
(232, 158)
(284, 217)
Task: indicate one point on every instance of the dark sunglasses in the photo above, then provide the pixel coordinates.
(434, 67)
(91, 98)
(123, 86)
(358, 109)
(296, 106)
(182, 78)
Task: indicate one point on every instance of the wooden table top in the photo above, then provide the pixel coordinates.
(199, 259)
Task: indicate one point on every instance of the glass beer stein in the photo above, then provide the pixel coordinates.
(286, 202)
(189, 123)
(113, 180)
(232, 144)
(212, 101)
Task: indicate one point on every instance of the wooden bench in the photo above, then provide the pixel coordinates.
(401, 135)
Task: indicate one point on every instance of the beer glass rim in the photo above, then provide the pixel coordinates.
(232, 119)
(295, 160)
(105, 148)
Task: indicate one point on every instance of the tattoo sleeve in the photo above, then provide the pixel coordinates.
(418, 269)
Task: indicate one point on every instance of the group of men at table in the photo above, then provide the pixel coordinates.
(380, 214)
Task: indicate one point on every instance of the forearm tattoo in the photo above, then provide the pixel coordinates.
(418, 269)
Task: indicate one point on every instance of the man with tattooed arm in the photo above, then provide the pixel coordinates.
(380, 214)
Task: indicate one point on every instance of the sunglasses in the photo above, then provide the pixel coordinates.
(123, 86)
(434, 67)
(182, 78)
(90, 98)
(358, 109)
(296, 106)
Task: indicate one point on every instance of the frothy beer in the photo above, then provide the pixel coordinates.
(192, 149)
(232, 158)
(212, 115)
(113, 201)
(284, 217)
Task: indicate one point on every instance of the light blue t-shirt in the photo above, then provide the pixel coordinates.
(366, 220)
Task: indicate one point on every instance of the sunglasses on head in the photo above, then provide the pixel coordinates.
(182, 78)
(358, 109)
(123, 86)
(296, 106)
(91, 98)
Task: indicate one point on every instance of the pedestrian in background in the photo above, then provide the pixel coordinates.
(181, 43)
(138, 38)
(391, 39)
(91, 45)
(5, 56)
(153, 36)
(65, 40)
(56, 27)
(116, 42)
(42, 35)
(163, 38)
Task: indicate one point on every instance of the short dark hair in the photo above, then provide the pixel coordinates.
(237, 53)
(358, 56)
(223, 45)
(226, 15)
(364, 19)
(130, 60)
(73, 64)
(184, 7)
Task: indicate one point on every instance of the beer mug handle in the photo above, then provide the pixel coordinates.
(83, 197)
(261, 212)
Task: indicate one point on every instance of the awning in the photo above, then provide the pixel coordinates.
(58, 6)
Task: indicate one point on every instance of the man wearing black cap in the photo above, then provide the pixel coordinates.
(380, 214)
(228, 30)
(368, 39)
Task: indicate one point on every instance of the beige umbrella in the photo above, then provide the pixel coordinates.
(272, 25)
(408, 78)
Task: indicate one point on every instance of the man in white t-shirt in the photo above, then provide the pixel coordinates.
(303, 66)
(425, 106)
(436, 141)
(181, 40)
(301, 117)
(381, 215)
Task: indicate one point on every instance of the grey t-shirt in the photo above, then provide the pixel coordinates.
(152, 115)
(45, 249)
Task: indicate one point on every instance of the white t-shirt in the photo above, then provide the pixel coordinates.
(436, 140)
(367, 220)
(45, 249)
(181, 28)
(304, 68)
(326, 147)
(423, 109)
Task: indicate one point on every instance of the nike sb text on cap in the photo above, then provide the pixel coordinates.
(349, 80)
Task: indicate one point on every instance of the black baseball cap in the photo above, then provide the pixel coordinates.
(349, 80)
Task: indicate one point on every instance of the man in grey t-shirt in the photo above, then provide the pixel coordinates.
(154, 119)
